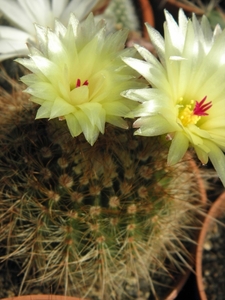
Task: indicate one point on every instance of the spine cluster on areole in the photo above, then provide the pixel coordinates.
(84, 216)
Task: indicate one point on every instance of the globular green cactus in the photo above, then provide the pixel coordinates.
(83, 217)
(123, 14)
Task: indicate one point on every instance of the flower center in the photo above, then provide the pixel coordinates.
(78, 84)
(191, 113)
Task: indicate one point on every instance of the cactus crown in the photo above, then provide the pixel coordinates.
(82, 216)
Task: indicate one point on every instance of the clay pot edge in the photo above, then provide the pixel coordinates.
(215, 211)
(44, 297)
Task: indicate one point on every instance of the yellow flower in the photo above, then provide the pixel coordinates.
(78, 75)
(24, 13)
(186, 97)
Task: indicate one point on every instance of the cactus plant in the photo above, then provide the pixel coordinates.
(123, 15)
(85, 204)
(79, 216)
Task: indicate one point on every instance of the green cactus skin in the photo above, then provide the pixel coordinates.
(78, 217)
(123, 14)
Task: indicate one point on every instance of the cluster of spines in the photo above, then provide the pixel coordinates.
(81, 215)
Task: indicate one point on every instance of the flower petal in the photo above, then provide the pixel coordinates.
(14, 12)
(79, 7)
(116, 108)
(95, 114)
(10, 48)
(156, 77)
(14, 34)
(202, 155)
(58, 7)
(90, 132)
(13, 42)
(119, 122)
(218, 160)
(45, 110)
(42, 90)
(158, 42)
(73, 124)
(60, 108)
(38, 11)
(178, 148)
(152, 126)
(176, 34)
(47, 68)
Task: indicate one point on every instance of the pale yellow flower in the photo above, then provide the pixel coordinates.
(78, 76)
(24, 13)
(186, 97)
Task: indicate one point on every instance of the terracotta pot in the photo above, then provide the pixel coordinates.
(147, 12)
(187, 7)
(100, 6)
(175, 292)
(216, 210)
(43, 297)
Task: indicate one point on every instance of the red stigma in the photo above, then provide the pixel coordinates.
(78, 84)
(201, 107)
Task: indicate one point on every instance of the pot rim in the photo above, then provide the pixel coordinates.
(148, 15)
(43, 297)
(217, 208)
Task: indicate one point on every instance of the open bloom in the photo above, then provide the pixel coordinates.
(24, 13)
(186, 97)
(78, 76)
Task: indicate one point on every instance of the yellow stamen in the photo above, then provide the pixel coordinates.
(187, 117)
(192, 112)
